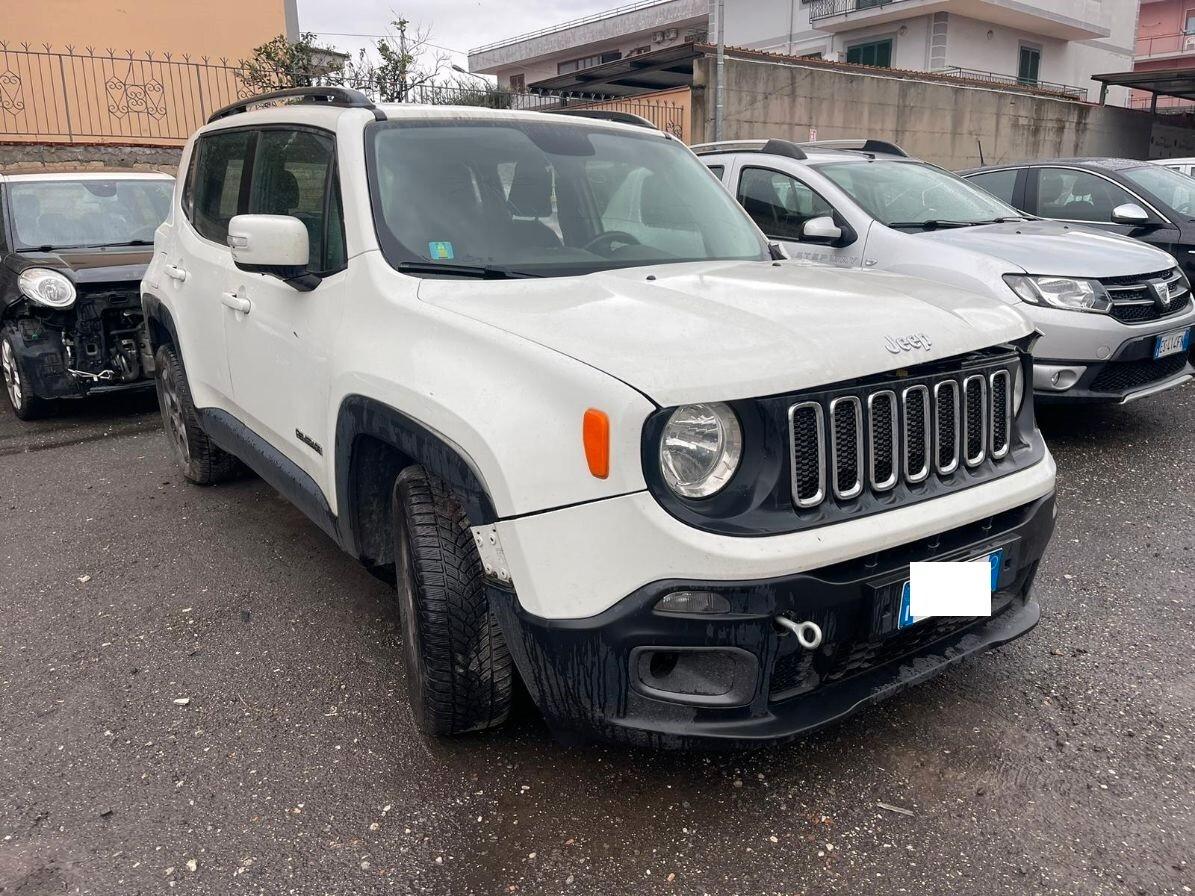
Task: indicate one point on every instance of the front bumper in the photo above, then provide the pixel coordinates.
(742, 681)
(1101, 360)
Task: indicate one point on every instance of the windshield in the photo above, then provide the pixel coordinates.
(69, 214)
(1170, 187)
(910, 194)
(546, 199)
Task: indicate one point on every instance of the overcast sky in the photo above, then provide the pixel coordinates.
(456, 25)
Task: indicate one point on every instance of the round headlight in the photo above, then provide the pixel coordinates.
(1018, 389)
(46, 287)
(700, 449)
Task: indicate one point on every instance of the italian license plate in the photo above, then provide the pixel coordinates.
(1172, 343)
(995, 560)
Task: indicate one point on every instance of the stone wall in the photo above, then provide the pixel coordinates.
(30, 158)
(947, 123)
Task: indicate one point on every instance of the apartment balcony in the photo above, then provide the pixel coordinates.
(846, 15)
(1165, 46)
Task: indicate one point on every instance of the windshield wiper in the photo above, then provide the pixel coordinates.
(52, 248)
(933, 224)
(482, 272)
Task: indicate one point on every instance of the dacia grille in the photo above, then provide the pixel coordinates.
(872, 438)
(1136, 299)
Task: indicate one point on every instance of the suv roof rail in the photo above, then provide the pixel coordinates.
(607, 115)
(860, 145)
(344, 97)
(773, 147)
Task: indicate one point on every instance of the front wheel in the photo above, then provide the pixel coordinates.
(459, 671)
(202, 462)
(23, 403)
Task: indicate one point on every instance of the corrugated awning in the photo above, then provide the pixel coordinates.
(631, 75)
(1179, 82)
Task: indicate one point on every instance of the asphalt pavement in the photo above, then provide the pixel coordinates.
(200, 694)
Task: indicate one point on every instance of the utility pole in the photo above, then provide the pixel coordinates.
(718, 14)
(402, 60)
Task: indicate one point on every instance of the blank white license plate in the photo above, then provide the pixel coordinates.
(995, 560)
(1172, 343)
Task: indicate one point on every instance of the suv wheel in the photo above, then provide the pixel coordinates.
(459, 672)
(24, 405)
(201, 461)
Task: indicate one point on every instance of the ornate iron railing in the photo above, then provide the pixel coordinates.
(90, 96)
(825, 9)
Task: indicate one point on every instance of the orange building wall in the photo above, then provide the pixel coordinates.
(212, 28)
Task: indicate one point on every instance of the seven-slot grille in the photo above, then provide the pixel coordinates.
(871, 439)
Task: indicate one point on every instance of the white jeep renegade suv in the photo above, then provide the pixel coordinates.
(547, 371)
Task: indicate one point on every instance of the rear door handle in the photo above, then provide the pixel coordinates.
(236, 302)
(174, 272)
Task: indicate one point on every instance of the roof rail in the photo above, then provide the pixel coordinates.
(773, 147)
(860, 145)
(331, 96)
(607, 115)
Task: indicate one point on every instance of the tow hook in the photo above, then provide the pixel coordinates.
(809, 634)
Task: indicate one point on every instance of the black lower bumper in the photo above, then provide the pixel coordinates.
(638, 675)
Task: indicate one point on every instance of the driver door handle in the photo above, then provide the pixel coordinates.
(236, 302)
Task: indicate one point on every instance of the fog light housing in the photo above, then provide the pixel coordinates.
(701, 676)
(693, 602)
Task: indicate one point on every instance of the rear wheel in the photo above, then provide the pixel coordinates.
(201, 461)
(24, 405)
(459, 671)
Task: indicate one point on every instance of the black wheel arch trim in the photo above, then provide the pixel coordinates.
(362, 419)
(158, 316)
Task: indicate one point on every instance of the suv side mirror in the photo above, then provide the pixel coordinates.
(825, 231)
(1130, 213)
(272, 244)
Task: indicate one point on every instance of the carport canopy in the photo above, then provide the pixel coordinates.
(1179, 82)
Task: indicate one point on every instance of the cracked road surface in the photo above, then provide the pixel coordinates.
(200, 694)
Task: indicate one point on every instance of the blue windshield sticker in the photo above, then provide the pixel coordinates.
(440, 251)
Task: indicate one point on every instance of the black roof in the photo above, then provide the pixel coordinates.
(1097, 162)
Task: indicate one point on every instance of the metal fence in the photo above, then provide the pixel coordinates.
(972, 74)
(51, 96)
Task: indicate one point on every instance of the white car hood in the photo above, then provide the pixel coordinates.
(1055, 249)
(722, 330)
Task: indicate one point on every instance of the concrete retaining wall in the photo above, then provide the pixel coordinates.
(944, 123)
(27, 158)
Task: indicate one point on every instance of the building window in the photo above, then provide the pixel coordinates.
(518, 82)
(1189, 28)
(877, 53)
(1028, 65)
(576, 65)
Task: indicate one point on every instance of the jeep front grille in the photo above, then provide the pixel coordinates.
(872, 438)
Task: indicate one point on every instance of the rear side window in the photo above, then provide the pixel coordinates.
(718, 170)
(1001, 184)
(779, 204)
(294, 173)
(215, 193)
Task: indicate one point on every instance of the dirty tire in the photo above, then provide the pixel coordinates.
(201, 461)
(458, 669)
(23, 404)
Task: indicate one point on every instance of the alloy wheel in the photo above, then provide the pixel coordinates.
(172, 414)
(12, 374)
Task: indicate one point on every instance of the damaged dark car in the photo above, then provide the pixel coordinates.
(73, 248)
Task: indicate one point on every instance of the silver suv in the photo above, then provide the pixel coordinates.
(1116, 314)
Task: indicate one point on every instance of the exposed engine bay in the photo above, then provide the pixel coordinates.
(97, 344)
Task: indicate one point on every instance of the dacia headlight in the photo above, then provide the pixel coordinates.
(700, 449)
(46, 287)
(1070, 293)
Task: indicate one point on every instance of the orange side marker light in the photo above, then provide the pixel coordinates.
(595, 433)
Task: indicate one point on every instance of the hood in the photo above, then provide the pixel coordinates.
(91, 265)
(1061, 250)
(722, 330)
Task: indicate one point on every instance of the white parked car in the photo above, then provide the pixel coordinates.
(545, 371)
(1182, 166)
(1116, 315)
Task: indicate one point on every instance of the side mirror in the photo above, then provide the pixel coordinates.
(822, 232)
(272, 244)
(1130, 213)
